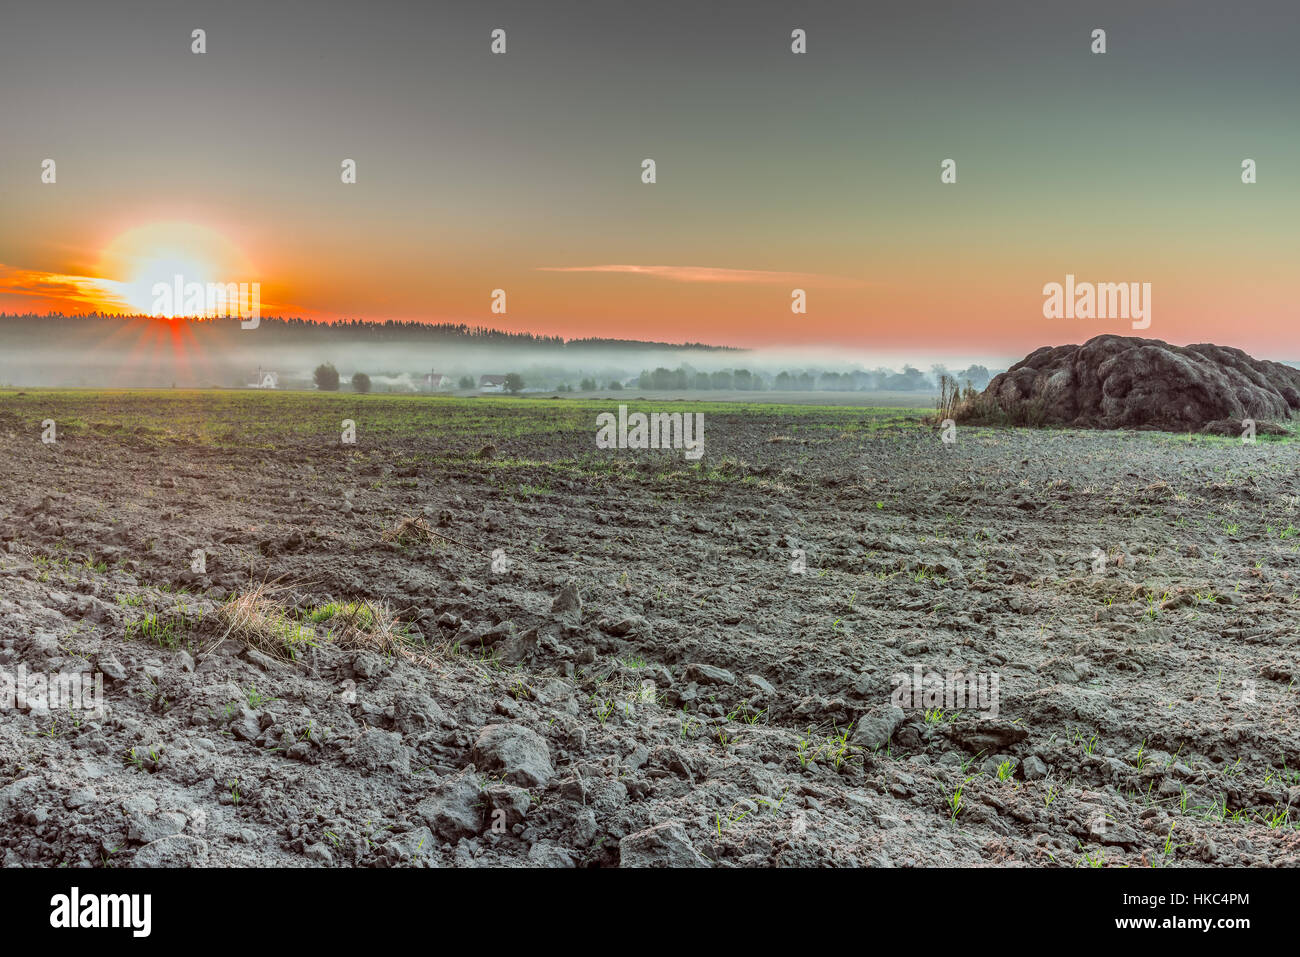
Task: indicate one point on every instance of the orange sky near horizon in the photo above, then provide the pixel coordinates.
(987, 303)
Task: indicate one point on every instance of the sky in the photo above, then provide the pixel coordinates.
(774, 170)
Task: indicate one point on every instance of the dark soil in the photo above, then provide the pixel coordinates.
(1135, 594)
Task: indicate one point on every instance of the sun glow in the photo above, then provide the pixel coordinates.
(140, 259)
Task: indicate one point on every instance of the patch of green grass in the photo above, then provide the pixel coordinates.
(359, 611)
(269, 419)
(955, 800)
(165, 632)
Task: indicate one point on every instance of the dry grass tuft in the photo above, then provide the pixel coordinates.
(374, 627)
(969, 405)
(949, 398)
(418, 528)
(405, 528)
(259, 622)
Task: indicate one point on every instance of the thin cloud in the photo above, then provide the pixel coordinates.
(713, 274)
(76, 290)
(77, 294)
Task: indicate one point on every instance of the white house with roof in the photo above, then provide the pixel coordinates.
(265, 379)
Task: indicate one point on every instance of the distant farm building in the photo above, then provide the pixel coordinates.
(265, 379)
(435, 382)
(492, 383)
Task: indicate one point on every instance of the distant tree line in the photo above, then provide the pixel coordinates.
(590, 385)
(275, 330)
(910, 379)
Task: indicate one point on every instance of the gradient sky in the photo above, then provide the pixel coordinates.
(522, 171)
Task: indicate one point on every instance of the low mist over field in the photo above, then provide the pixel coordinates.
(146, 352)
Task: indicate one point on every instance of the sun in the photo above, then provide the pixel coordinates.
(139, 259)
